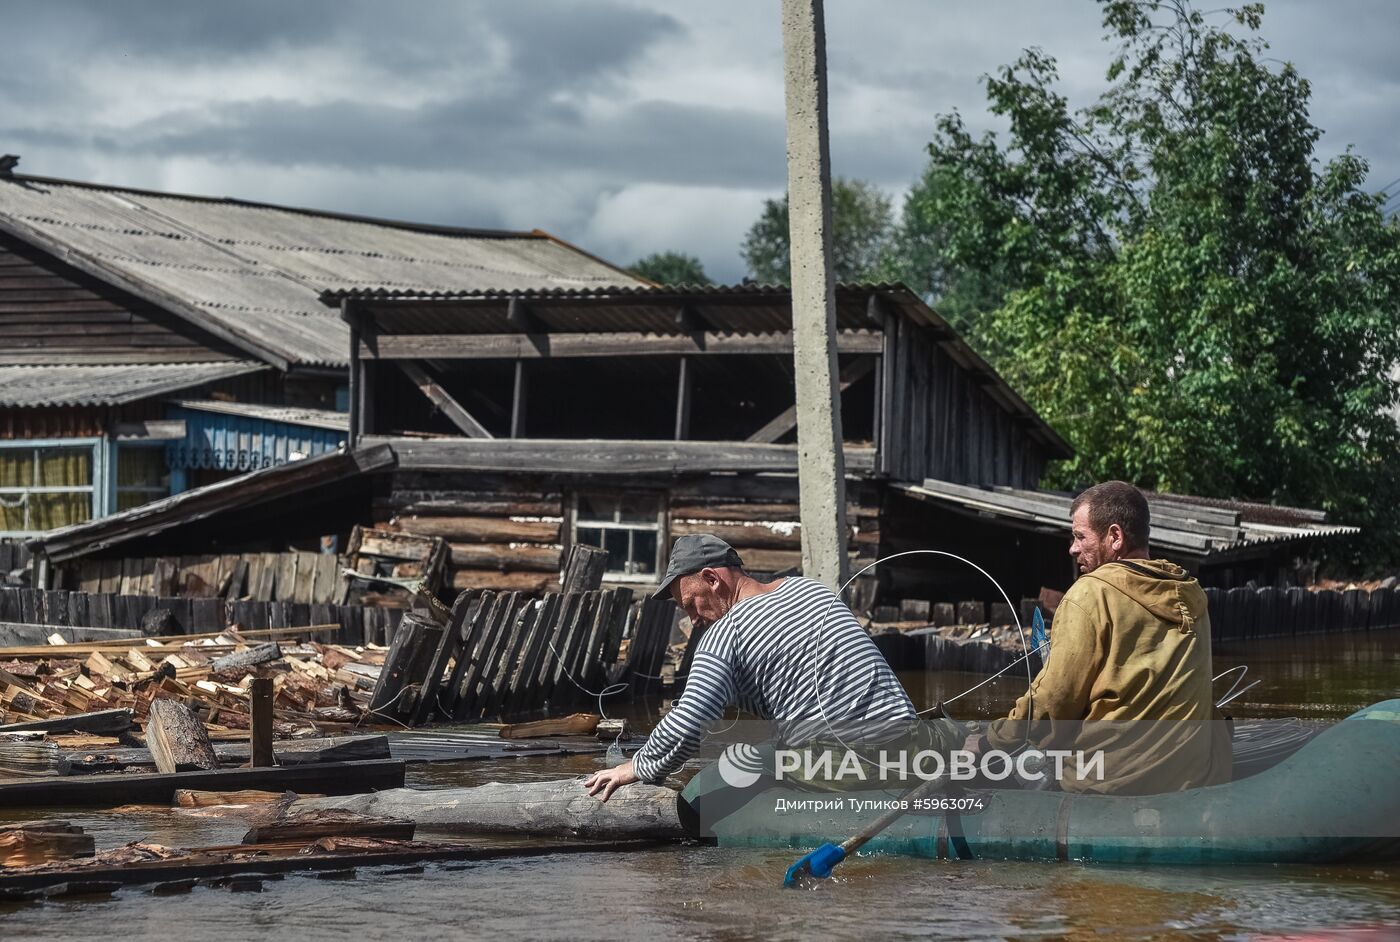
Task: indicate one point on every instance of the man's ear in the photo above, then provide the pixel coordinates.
(1116, 538)
(712, 578)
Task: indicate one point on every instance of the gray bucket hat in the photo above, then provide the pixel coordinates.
(693, 553)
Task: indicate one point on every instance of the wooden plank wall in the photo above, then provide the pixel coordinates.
(763, 522)
(505, 533)
(264, 577)
(51, 313)
(944, 425)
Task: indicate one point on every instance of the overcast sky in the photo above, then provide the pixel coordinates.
(626, 127)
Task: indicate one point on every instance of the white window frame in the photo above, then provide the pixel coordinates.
(96, 489)
(576, 520)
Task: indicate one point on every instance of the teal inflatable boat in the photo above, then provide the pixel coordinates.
(1337, 799)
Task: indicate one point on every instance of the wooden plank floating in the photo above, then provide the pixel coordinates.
(181, 871)
(109, 791)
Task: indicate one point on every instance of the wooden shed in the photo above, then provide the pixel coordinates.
(522, 422)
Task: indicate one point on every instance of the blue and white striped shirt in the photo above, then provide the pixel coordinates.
(794, 655)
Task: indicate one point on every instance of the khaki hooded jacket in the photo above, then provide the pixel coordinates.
(1128, 673)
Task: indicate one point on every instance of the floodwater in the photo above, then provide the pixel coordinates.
(708, 893)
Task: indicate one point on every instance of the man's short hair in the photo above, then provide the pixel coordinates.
(1117, 502)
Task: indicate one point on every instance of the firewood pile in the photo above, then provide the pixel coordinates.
(106, 688)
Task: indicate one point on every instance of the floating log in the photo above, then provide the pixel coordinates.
(195, 798)
(317, 823)
(177, 739)
(555, 807)
(38, 842)
(242, 660)
(112, 791)
(578, 724)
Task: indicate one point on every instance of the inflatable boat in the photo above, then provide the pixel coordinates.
(1336, 799)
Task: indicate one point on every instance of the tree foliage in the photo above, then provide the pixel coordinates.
(1170, 276)
(670, 268)
(862, 221)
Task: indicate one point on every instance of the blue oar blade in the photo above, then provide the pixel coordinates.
(816, 864)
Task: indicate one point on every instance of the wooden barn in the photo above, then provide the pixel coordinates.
(153, 342)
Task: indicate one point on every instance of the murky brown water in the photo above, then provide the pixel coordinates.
(701, 892)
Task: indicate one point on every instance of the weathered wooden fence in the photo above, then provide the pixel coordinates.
(1243, 613)
(58, 607)
(512, 656)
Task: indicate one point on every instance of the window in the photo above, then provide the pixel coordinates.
(627, 526)
(142, 475)
(43, 486)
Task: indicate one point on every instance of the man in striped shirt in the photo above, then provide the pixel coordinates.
(787, 651)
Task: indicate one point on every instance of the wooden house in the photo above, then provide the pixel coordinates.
(152, 342)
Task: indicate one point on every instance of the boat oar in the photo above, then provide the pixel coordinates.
(818, 863)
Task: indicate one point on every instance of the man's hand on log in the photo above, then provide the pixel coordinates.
(610, 780)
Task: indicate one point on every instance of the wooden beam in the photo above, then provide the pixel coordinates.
(884, 383)
(786, 420)
(685, 381)
(519, 316)
(517, 401)
(441, 398)
(111, 791)
(595, 344)
(592, 456)
(348, 315)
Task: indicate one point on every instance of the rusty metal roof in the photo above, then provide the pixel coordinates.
(109, 384)
(251, 272)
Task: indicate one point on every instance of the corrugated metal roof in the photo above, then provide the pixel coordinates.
(291, 415)
(1200, 527)
(108, 384)
(252, 272)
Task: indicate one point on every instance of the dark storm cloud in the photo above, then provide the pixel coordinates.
(626, 125)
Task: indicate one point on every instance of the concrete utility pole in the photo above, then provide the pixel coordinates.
(821, 462)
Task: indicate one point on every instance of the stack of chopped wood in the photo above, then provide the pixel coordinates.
(106, 687)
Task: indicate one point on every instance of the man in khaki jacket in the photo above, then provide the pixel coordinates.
(1129, 668)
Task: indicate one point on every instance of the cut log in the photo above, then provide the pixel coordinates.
(583, 569)
(579, 724)
(39, 842)
(526, 557)
(555, 808)
(177, 739)
(480, 529)
(242, 660)
(313, 824)
(504, 581)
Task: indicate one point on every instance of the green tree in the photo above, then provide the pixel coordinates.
(671, 268)
(1171, 276)
(862, 220)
